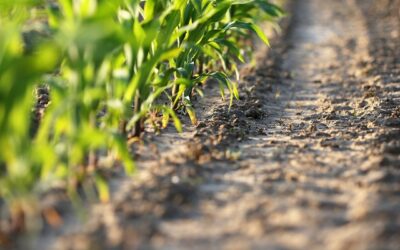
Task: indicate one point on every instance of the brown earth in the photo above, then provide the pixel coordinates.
(309, 158)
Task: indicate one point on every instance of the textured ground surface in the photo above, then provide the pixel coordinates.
(308, 159)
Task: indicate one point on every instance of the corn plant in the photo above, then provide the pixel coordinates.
(108, 65)
(21, 159)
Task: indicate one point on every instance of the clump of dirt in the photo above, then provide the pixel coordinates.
(42, 99)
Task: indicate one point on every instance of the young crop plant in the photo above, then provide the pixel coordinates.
(109, 66)
(202, 40)
(21, 158)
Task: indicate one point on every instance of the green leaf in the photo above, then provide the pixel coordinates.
(249, 26)
(270, 8)
(119, 143)
(175, 119)
(149, 8)
(192, 114)
(102, 188)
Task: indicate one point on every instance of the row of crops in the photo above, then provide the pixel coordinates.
(106, 65)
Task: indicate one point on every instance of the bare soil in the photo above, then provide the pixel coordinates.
(309, 158)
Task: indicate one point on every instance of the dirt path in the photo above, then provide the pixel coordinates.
(316, 179)
(308, 159)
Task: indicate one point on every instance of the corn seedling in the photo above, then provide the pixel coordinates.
(108, 65)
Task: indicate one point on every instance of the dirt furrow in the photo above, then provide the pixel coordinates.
(313, 178)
